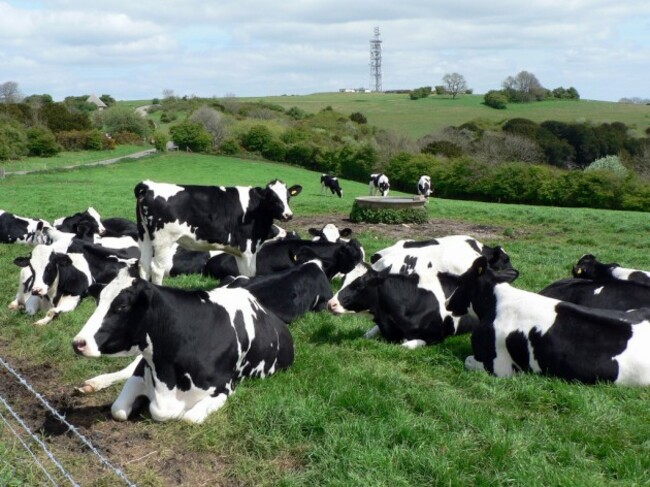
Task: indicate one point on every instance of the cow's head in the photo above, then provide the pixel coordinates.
(588, 267)
(113, 329)
(277, 196)
(359, 291)
(499, 261)
(44, 264)
(329, 233)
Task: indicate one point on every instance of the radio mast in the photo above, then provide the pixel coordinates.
(375, 62)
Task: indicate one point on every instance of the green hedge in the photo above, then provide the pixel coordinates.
(387, 215)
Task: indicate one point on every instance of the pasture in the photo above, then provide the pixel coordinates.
(350, 411)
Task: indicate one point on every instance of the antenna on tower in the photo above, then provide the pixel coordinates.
(375, 62)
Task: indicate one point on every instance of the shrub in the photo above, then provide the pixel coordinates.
(296, 113)
(212, 122)
(275, 150)
(495, 99)
(192, 136)
(13, 142)
(440, 90)
(94, 140)
(257, 138)
(127, 138)
(160, 140)
(443, 148)
(41, 142)
(358, 117)
(301, 154)
(123, 119)
(421, 92)
(357, 163)
(388, 215)
(608, 163)
(229, 146)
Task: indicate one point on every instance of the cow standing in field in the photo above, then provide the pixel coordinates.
(233, 219)
(195, 345)
(424, 187)
(520, 331)
(331, 183)
(379, 183)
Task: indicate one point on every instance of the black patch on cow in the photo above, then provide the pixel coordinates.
(410, 261)
(474, 244)
(639, 277)
(612, 293)
(418, 244)
(517, 346)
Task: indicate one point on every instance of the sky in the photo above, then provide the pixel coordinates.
(133, 50)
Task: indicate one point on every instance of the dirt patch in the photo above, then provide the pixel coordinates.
(433, 228)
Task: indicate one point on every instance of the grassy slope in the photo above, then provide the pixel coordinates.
(360, 412)
(420, 117)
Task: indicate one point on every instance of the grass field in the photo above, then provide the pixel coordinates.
(350, 411)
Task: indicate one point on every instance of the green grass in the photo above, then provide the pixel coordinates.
(64, 159)
(354, 411)
(416, 118)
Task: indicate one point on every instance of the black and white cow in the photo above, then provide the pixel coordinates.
(521, 331)
(330, 233)
(63, 279)
(94, 224)
(435, 268)
(291, 293)
(195, 345)
(600, 293)
(331, 183)
(20, 229)
(379, 183)
(588, 267)
(233, 219)
(279, 255)
(424, 186)
(25, 300)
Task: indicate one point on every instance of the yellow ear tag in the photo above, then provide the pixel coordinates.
(295, 258)
(480, 270)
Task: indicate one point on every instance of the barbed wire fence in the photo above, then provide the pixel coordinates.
(60, 472)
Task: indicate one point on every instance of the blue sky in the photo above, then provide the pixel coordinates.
(135, 50)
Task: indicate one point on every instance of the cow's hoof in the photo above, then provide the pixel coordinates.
(85, 389)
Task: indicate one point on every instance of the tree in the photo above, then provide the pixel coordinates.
(108, 99)
(524, 87)
(212, 122)
(192, 136)
(9, 92)
(123, 119)
(455, 83)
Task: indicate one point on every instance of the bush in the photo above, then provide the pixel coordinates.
(421, 92)
(275, 150)
(495, 99)
(357, 163)
(608, 163)
(358, 117)
(388, 215)
(300, 154)
(192, 136)
(123, 119)
(229, 147)
(160, 140)
(443, 148)
(13, 142)
(94, 140)
(41, 142)
(257, 138)
(127, 138)
(296, 113)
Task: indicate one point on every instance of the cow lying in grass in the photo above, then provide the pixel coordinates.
(588, 267)
(520, 331)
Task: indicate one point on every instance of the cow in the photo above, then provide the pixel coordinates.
(600, 293)
(233, 219)
(330, 233)
(424, 187)
(588, 267)
(63, 279)
(93, 224)
(379, 183)
(20, 229)
(25, 300)
(435, 268)
(521, 331)
(290, 293)
(195, 345)
(279, 255)
(331, 183)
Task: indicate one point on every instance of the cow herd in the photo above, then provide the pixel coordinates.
(192, 347)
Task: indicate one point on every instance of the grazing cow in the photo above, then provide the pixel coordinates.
(600, 293)
(588, 267)
(379, 182)
(291, 293)
(521, 331)
(195, 345)
(331, 183)
(435, 268)
(20, 229)
(330, 233)
(63, 279)
(279, 255)
(235, 219)
(424, 187)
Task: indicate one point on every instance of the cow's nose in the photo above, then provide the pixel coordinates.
(287, 216)
(79, 346)
(37, 291)
(333, 305)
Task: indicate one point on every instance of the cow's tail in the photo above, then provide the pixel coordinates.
(144, 233)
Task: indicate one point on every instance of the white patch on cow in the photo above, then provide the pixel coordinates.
(634, 361)
(599, 290)
(95, 215)
(624, 273)
(163, 190)
(280, 189)
(331, 233)
(244, 200)
(116, 242)
(106, 298)
(413, 344)
(103, 381)
(123, 405)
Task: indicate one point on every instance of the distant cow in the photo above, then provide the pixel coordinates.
(233, 219)
(379, 183)
(424, 186)
(20, 229)
(588, 267)
(520, 331)
(195, 345)
(331, 183)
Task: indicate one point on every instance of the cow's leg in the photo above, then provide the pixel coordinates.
(413, 344)
(246, 263)
(371, 189)
(162, 262)
(66, 304)
(135, 387)
(203, 408)
(146, 255)
(472, 364)
(373, 332)
(105, 380)
(36, 303)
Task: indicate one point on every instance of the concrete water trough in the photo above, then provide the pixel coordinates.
(394, 202)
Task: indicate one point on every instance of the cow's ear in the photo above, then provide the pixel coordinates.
(21, 261)
(295, 190)
(479, 266)
(293, 257)
(314, 232)
(144, 289)
(346, 232)
(62, 260)
(95, 290)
